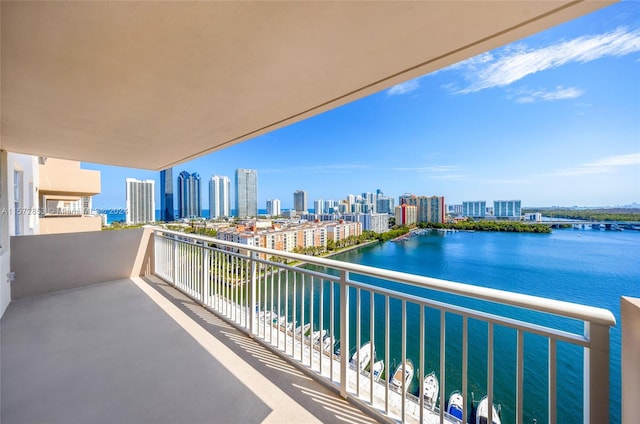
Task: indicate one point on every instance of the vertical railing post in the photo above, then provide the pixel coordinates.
(344, 332)
(175, 261)
(596, 374)
(206, 276)
(252, 293)
(156, 253)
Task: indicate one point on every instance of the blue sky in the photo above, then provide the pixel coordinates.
(553, 119)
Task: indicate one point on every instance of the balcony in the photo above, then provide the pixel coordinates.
(135, 349)
(65, 177)
(99, 318)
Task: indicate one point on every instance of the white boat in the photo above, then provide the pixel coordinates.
(455, 405)
(482, 413)
(326, 343)
(303, 329)
(378, 368)
(431, 390)
(397, 379)
(316, 336)
(362, 361)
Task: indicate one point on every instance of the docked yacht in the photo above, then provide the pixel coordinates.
(362, 357)
(431, 390)
(455, 405)
(482, 412)
(400, 381)
(378, 369)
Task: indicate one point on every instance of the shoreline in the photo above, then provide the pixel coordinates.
(346, 249)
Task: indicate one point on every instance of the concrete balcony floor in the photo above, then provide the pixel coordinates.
(138, 351)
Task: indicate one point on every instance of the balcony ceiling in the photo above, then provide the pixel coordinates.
(153, 84)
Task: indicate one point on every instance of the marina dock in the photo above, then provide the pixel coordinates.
(360, 384)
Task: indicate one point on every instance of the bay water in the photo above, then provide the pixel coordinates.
(589, 267)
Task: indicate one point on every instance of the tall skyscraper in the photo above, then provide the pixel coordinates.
(318, 206)
(166, 195)
(189, 197)
(140, 202)
(219, 202)
(300, 201)
(273, 207)
(246, 193)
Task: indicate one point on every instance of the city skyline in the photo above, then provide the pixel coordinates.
(550, 120)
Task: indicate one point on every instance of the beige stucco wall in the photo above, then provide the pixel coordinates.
(70, 224)
(630, 311)
(66, 177)
(48, 263)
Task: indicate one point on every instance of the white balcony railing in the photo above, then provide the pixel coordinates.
(467, 333)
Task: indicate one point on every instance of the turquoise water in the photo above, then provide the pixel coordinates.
(583, 266)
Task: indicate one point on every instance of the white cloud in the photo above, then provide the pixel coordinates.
(560, 93)
(404, 88)
(601, 166)
(514, 63)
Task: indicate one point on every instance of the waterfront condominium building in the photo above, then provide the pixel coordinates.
(507, 209)
(376, 222)
(273, 207)
(300, 201)
(166, 195)
(436, 209)
(474, 209)
(246, 193)
(219, 202)
(189, 196)
(406, 214)
(429, 209)
(140, 202)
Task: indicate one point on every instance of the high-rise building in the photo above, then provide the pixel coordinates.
(455, 209)
(436, 209)
(509, 209)
(273, 207)
(246, 193)
(406, 214)
(329, 206)
(166, 195)
(140, 201)
(385, 204)
(376, 222)
(428, 209)
(474, 209)
(189, 196)
(219, 202)
(318, 206)
(300, 201)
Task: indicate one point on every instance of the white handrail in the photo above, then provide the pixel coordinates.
(232, 279)
(557, 307)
